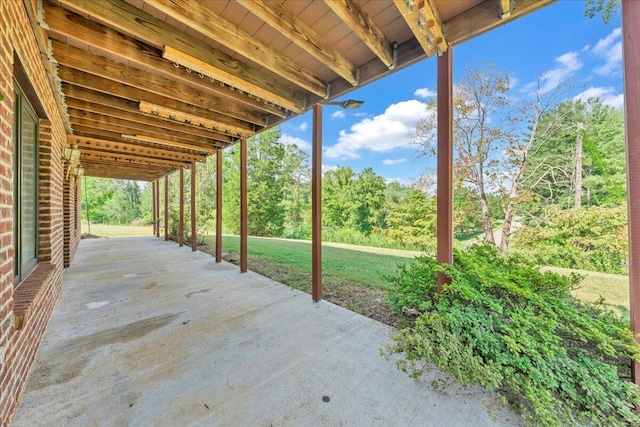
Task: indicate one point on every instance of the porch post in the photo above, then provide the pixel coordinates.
(153, 206)
(166, 207)
(219, 153)
(181, 209)
(316, 205)
(157, 207)
(631, 64)
(243, 206)
(445, 164)
(194, 242)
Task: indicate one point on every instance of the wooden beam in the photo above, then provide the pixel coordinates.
(316, 205)
(289, 25)
(181, 215)
(115, 171)
(444, 210)
(425, 23)
(119, 102)
(127, 112)
(76, 27)
(129, 148)
(166, 207)
(505, 8)
(231, 114)
(170, 143)
(631, 65)
(194, 235)
(364, 27)
(130, 20)
(128, 158)
(157, 208)
(219, 154)
(244, 230)
(484, 17)
(204, 20)
(113, 124)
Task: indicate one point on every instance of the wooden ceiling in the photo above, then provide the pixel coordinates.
(149, 86)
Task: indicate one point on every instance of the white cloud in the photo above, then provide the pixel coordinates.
(382, 133)
(606, 94)
(400, 181)
(390, 162)
(609, 49)
(425, 93)
(339, 114)
(327, 168)
(303, 126)
(586, 48)
(299, 142)
(567, 65)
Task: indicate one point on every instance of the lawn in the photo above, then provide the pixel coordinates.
(106, 230)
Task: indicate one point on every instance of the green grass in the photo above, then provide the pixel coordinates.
(106, 230)
(359, 267)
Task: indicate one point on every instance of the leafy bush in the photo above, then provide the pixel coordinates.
(588, 238)
(504, 324)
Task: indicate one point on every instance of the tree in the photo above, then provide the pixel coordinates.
(412, 221)
(608, 9)
(493, 139)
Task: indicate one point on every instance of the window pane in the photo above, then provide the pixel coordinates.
(28, 181)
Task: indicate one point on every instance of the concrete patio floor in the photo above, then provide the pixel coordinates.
(149, 334)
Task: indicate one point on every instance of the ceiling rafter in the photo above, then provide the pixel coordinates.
(137, 115)
(132, 21)
(109, 87)
(425, 23)
(63, 23)
(483, 17)
(364, 27)
(281, 19)
(164, 142)
(115, 170)
(131, 148)
(207, 22)
(88, 153)
(100, 66)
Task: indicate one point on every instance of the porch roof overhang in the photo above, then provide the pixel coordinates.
(149, 86)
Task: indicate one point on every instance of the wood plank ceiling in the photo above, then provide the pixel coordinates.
(150, 86)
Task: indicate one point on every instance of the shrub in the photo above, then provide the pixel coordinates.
(504, 324)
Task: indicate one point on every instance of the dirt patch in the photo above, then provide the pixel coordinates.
(353, 296)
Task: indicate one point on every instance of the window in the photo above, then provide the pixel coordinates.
(25, 186)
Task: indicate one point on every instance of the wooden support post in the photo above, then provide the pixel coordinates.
(181, 215)
(153, 206)
(157, 208)
(194, 236)
(219, 154)
(316, 205)
(243, 206)
(631, 56)
(166, 207)
(445, 164)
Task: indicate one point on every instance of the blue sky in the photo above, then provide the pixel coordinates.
(557, 42)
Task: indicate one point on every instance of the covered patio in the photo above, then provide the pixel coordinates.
(148, 333)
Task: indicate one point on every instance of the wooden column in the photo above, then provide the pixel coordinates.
(243, 206)
(194, 237)
(631, 56)
(445, 164)
(316, 205)
(181, 209)
(157, 208)
(219, 154)
(153, 206)
(166, 207)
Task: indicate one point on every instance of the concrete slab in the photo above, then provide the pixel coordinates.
(149, 334)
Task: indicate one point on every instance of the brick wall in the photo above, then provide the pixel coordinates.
(20, 346)
(72, 207)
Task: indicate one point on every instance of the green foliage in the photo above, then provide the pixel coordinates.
(587, 238)
(111, 201)
(608, 9)
(504, 324)
(412, 221)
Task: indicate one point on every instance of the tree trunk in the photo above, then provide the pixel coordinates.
(486, 219)
(506, 227)
(578, 171)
